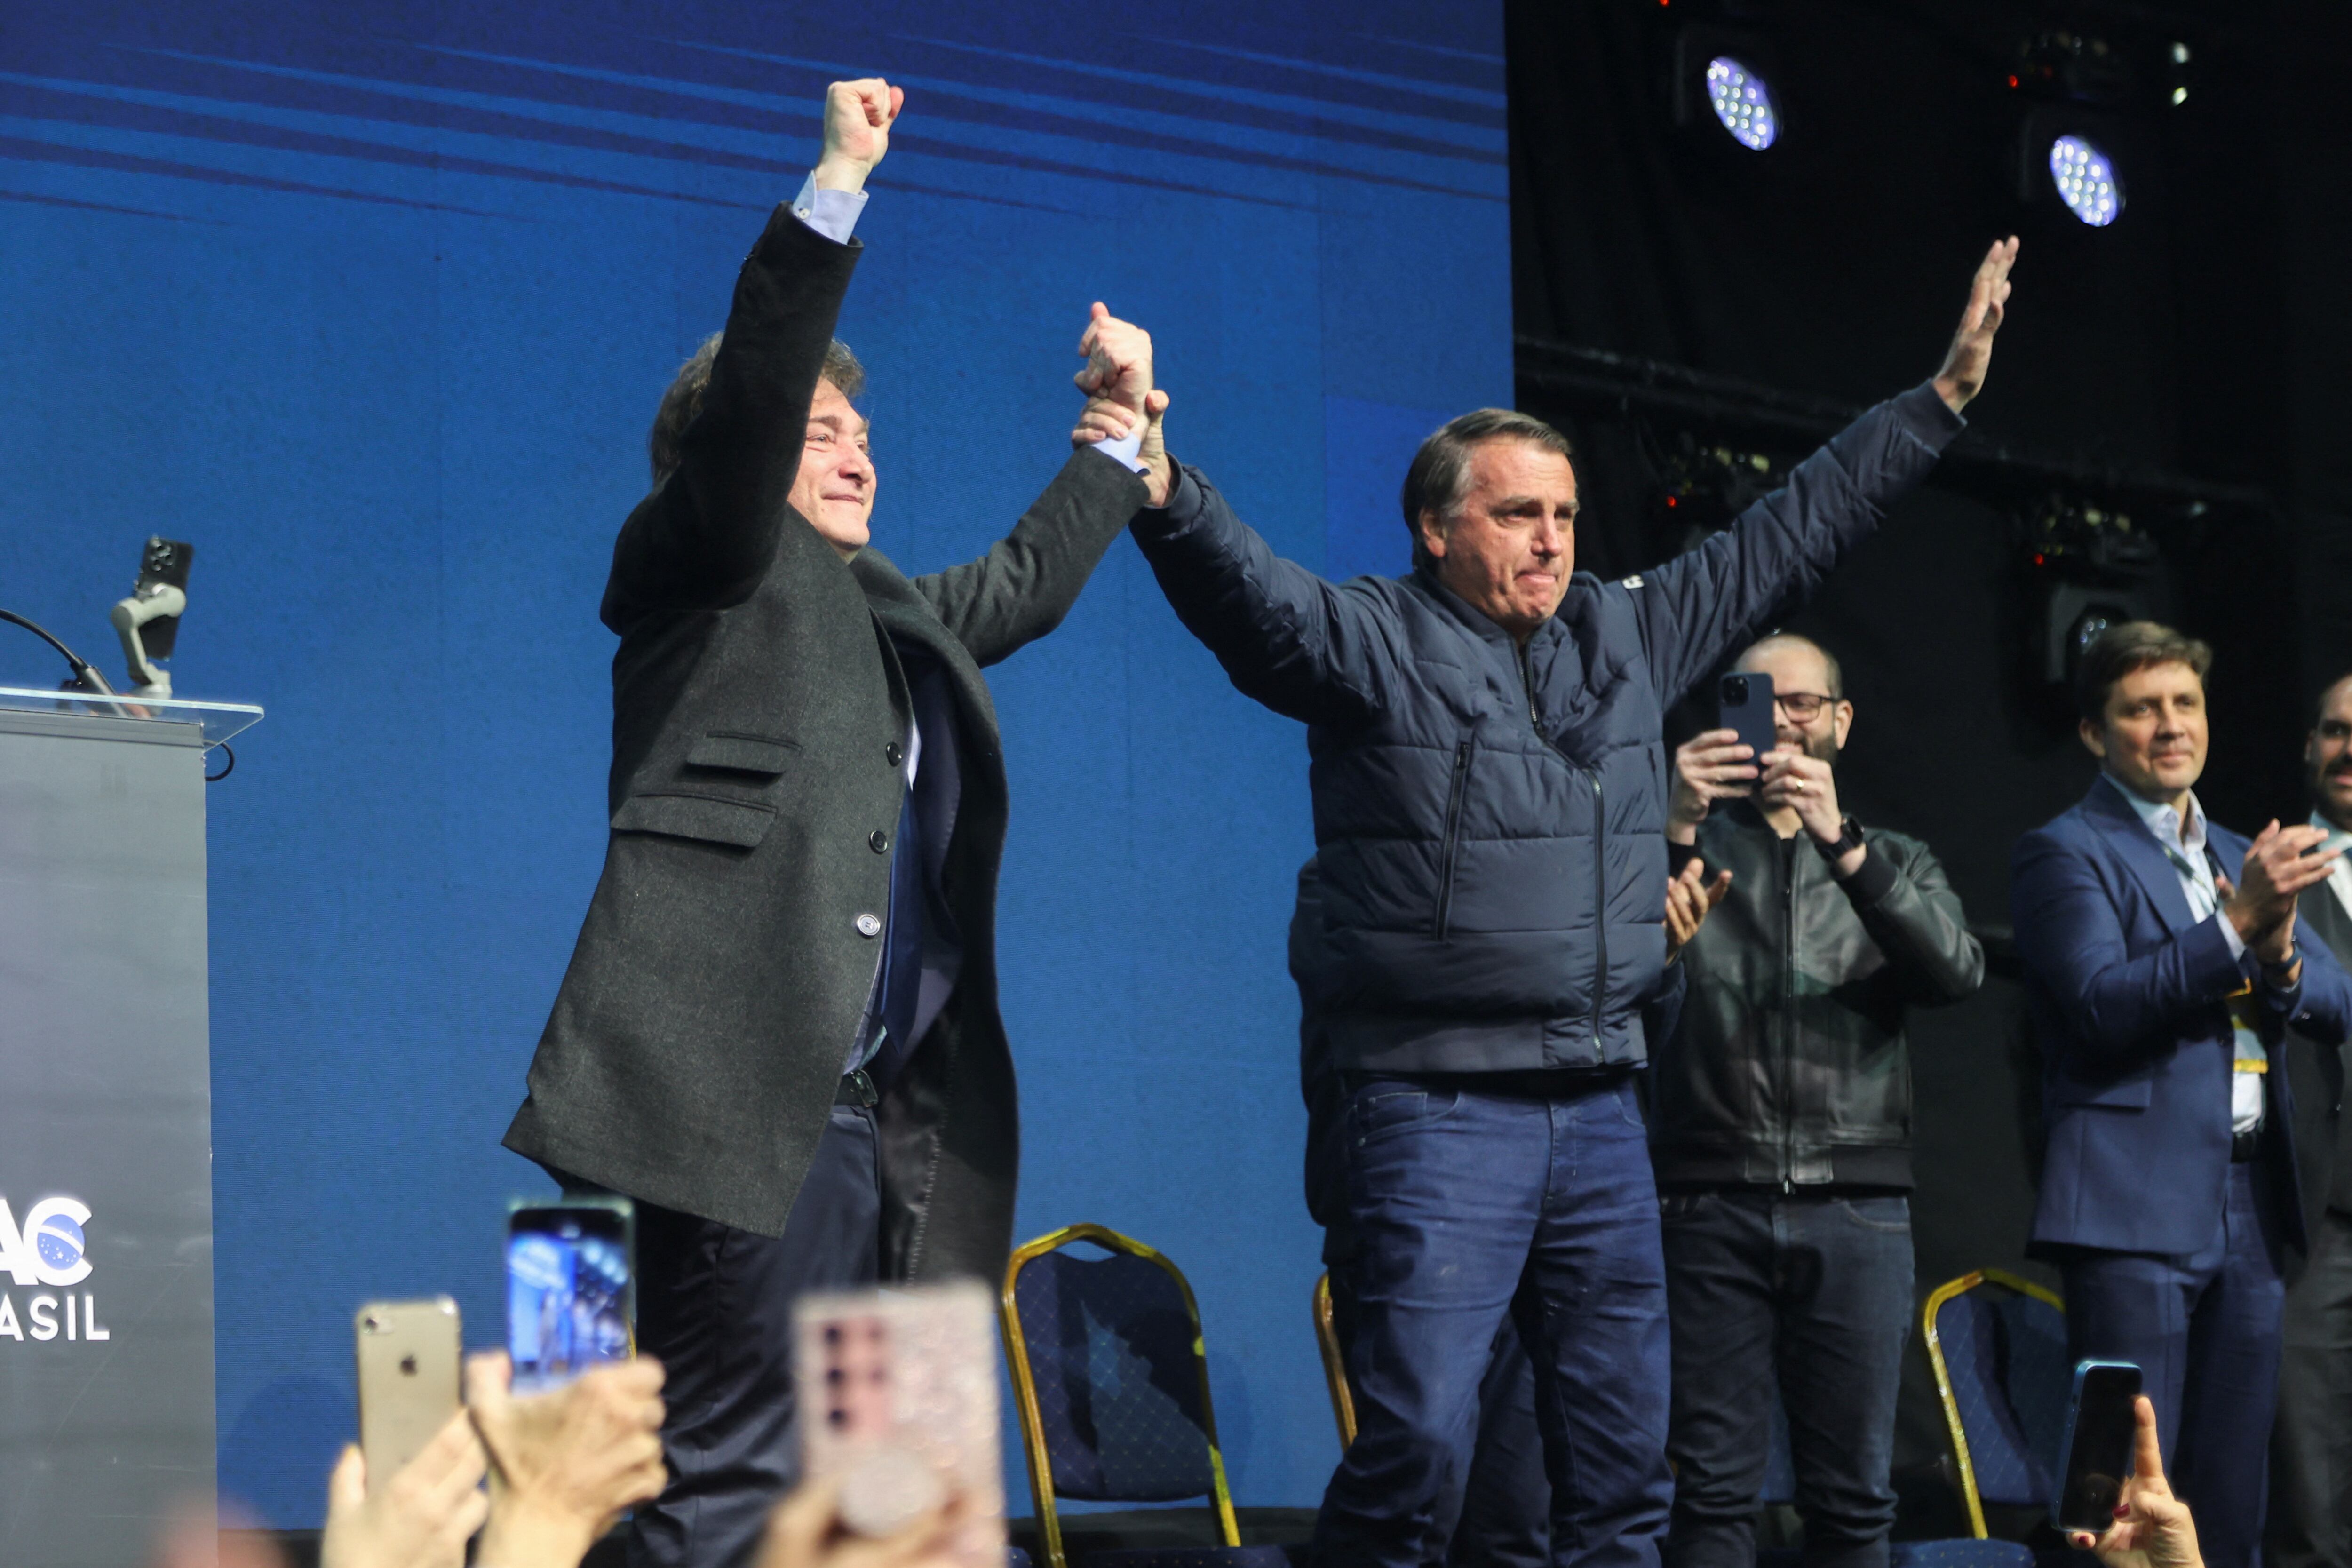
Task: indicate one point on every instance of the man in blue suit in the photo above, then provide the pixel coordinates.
(2164, 962)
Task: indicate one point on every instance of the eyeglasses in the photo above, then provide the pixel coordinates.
(1804, 707)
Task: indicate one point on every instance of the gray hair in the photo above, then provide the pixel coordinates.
(683, 401)
(1440, 474)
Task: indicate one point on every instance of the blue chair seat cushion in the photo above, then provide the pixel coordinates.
(1960, 1553)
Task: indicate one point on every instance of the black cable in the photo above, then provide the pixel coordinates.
(215, 778)
(81, 667)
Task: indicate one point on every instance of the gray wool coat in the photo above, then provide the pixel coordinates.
(695, 1047)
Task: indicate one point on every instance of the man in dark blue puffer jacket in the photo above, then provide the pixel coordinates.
(1489, 793)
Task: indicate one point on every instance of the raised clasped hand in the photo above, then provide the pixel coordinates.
(1708, 767)
(858, 120)
(1116, 380)
(1971, 355)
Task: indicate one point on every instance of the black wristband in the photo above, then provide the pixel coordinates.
(1849, 838)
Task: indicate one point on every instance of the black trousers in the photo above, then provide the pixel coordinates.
(2311, 1448)
(715, 1306)
(1810, 1291)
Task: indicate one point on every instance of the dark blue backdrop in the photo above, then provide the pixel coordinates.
(372, 302)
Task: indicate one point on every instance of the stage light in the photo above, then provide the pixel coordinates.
(1743, 102)
(2086, 181)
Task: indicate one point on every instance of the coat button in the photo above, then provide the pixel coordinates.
(878, 841)
(869, 925)
(893, 754)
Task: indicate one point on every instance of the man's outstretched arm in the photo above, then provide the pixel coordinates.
(705, 536)
(1026, 583)
(1695, 609)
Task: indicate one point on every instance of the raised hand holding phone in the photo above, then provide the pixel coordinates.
(899, 1414)
(571, 1289)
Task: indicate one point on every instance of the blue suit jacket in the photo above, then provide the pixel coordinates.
(2129, 997)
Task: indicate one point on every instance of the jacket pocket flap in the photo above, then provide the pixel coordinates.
(702, 816)
(2123, 1093)
(742, 753)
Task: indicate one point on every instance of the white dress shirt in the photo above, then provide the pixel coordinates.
(2340, 876)
(2184, 846)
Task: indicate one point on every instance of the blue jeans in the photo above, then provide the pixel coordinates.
(1812, 1291)
(1474, 1196)
(2205, 1331)
(1499, 1515)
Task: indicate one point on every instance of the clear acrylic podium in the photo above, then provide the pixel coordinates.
(106, 1229)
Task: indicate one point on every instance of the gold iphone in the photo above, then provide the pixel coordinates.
(408, 1356)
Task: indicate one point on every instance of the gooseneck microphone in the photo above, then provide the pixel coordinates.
(83, 671)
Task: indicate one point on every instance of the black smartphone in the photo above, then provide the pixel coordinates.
(1744, 703)
(570, 1287)
(2100, 1438)
(163, 563)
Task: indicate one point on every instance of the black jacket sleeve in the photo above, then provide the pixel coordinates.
(1307, 648)
(1699, 608)
(1029, 579)
(1908, 907)
(705, 536)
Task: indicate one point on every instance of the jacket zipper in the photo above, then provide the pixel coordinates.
(1600, 915)
(1600, 859)
(1783, 1013)
(1452, 839)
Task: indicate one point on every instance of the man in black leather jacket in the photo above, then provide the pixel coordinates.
(1781, 1133)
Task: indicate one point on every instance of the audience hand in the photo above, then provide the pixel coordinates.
(805, 1532)
(565, 1463)
(2152, 1528)
(858, 120)
(1707, 768)
(2262, 905)
(1688, 903)
(418, 1518)
(1970, 354)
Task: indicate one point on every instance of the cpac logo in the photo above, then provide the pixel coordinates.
(51, 1249)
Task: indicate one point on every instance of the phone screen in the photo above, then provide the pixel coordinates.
(2100, 1438)
(569, 1301)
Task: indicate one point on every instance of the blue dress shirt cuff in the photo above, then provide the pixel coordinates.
(1127, 449)
(2229, 935)
(833, 214)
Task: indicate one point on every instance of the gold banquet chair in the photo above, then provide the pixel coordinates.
(1110, 1377)
(1998, 1343)
(1335, 1366)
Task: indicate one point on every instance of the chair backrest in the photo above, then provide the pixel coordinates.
(1335, 1366)
(1111, 1378)
(1998, 1343)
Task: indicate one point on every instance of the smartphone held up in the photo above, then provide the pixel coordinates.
(571, 1289)
(899, 1402)
(2101, 1432)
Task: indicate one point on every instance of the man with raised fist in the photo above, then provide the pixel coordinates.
(779, 1032)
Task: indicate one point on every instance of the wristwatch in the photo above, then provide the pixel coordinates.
(1849, 838)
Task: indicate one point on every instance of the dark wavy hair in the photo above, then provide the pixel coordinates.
(2126, 647)
(683, 401)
